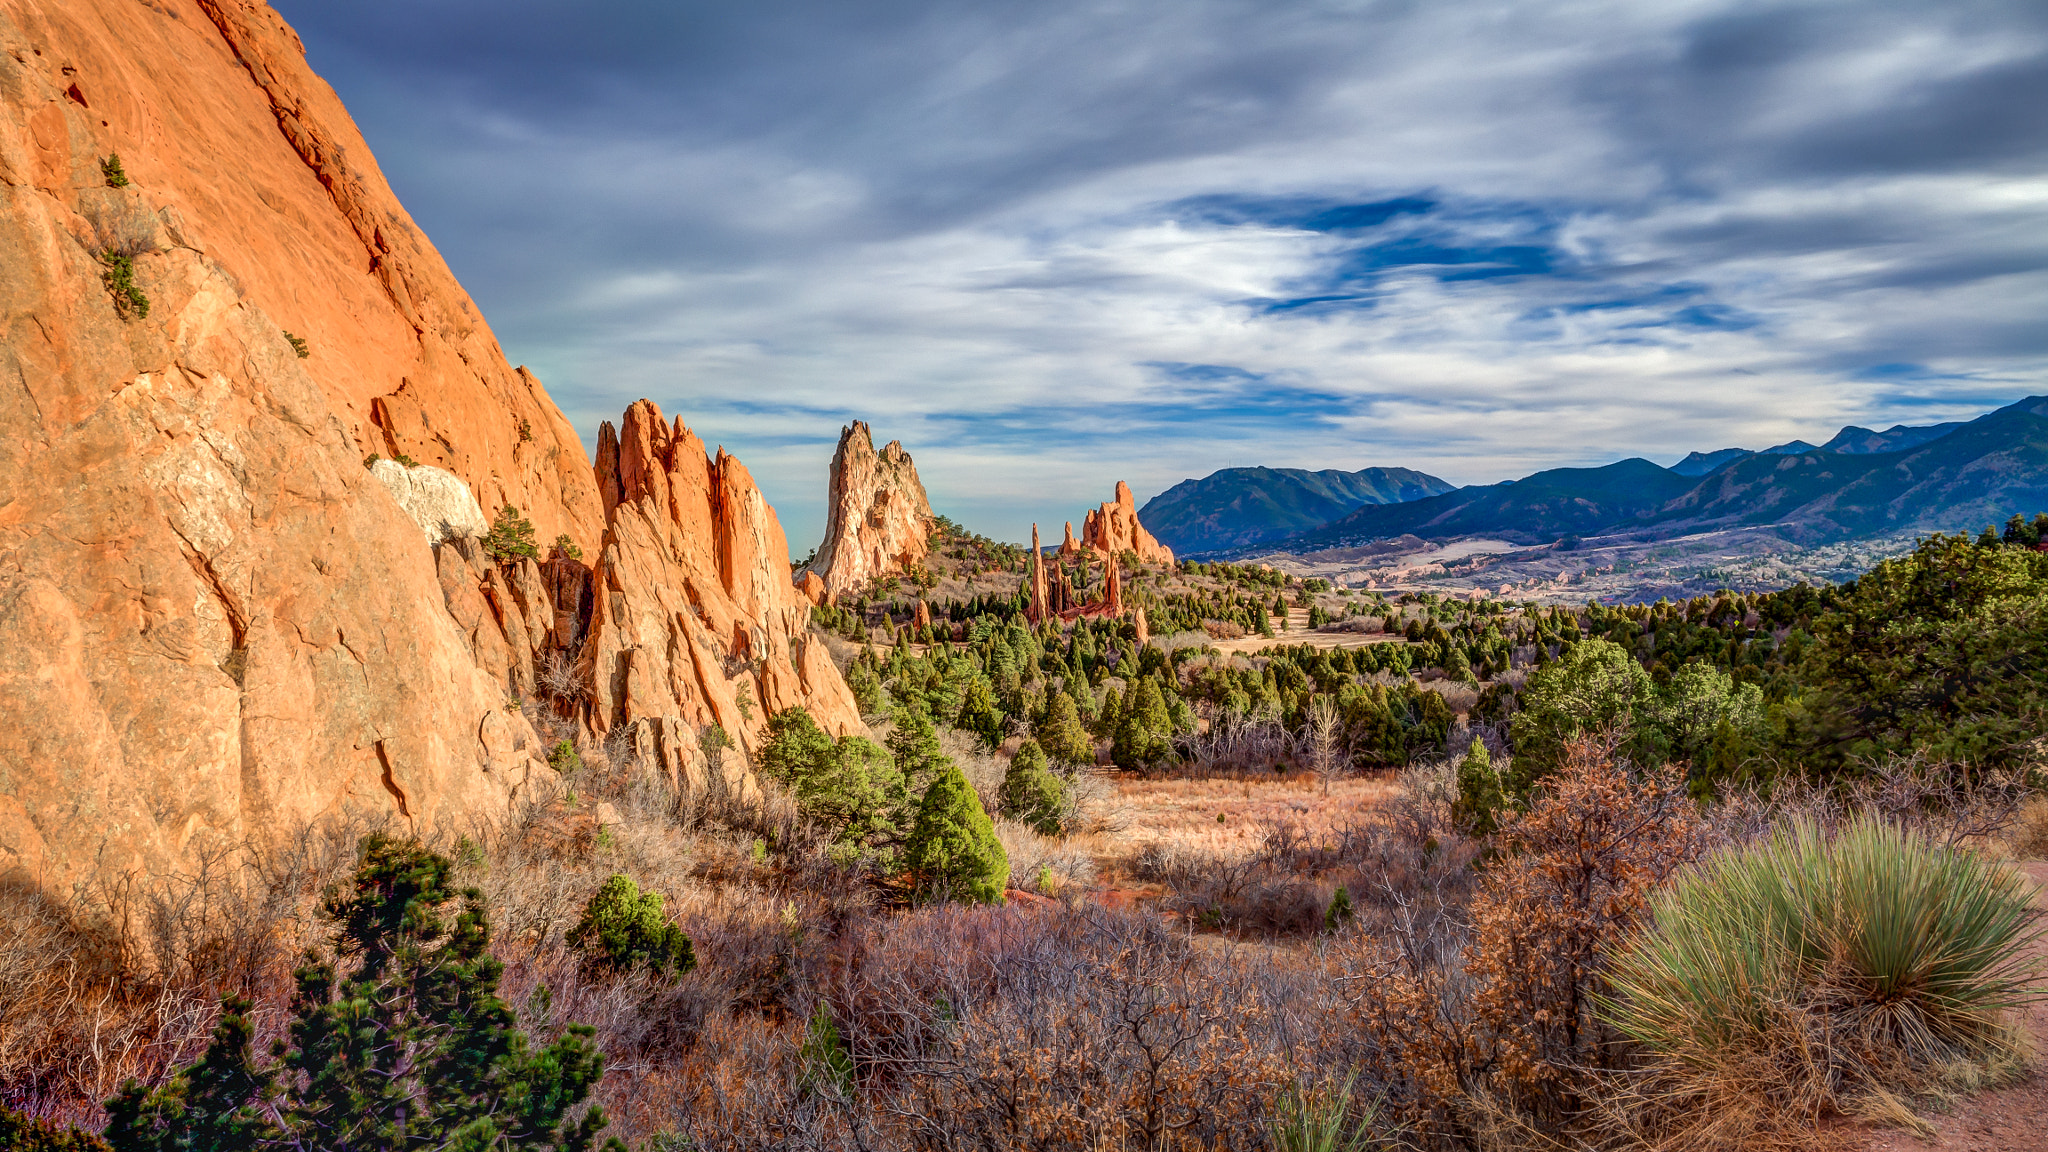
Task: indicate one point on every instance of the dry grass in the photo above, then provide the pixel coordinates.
(1184, 813)
(2028, 839)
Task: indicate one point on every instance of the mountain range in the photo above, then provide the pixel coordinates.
(1956, 477)
(1243, 507)
(1953, 476)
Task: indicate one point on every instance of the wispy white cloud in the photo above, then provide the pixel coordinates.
(1055, 245)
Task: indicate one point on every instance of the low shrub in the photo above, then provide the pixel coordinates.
(624, 928)
(1326, 1120)
(129, 302)
(1823, 971)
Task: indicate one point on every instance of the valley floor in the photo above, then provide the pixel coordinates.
(1613, 569)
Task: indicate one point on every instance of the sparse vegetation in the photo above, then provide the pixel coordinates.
(119, 277)
(111, 171)
(511, 535)
(299, 347)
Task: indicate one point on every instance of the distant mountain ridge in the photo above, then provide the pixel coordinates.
(1947, 476)
(1850, 441)
(1241, 507)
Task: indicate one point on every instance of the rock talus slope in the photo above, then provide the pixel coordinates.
(215, 621)
(878, 519)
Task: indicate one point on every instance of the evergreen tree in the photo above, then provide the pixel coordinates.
(1031, 792)
(795, 746)
(980, 714)
(914, 745)
(400, 1042)
(1476, 811)
(1150, 708)
(623, 928)
(1062, 735)
(19, 1133)
(953, 851)
(511, 537)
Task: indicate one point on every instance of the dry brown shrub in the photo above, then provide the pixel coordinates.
(1501, 1040)
(2029, 836)
(1576, 874)
(1064, 1031)
(128, 984)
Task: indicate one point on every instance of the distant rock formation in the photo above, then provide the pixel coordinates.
(696, 621)
(1113, 529)
(221, 622)
(878, 520)
(1036, 610)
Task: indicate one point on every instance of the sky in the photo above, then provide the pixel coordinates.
(1057, 244)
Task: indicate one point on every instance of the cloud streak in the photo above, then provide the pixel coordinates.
(1054, 245)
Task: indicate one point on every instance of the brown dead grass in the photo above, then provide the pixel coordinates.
(1184, 813)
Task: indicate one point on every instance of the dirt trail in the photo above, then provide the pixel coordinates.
(2010, 1120)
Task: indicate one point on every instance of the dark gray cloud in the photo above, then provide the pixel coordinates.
(1055, 244)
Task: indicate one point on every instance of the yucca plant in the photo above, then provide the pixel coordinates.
(1861, 962)
(1322, 1120)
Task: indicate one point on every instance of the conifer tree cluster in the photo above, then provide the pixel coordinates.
(398, 1041)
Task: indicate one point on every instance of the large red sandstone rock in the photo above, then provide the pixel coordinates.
(694, 609)
(1113, 529)
(214, 622)
(877, 518)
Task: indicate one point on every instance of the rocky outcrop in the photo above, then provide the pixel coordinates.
(1113, 529)
(1036, 610)
(215, 622)
(695, 621)
(219, 621)
(812, 588)
(436, 499)
(877, 519)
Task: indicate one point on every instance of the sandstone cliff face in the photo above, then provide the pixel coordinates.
(878, 519)
(695, 621)
(215, 622)
(1113, 529)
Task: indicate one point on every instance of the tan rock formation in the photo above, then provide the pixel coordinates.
(220, 622)
(1070, 546)
(1113, 529)
(878, 520)
(923, 617)
(696, 621)
(1144, 630)
(1113, 589)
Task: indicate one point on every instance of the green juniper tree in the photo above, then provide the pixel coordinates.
(399, 1041)
(624, 928)
(953, 850)
(1031, 792)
